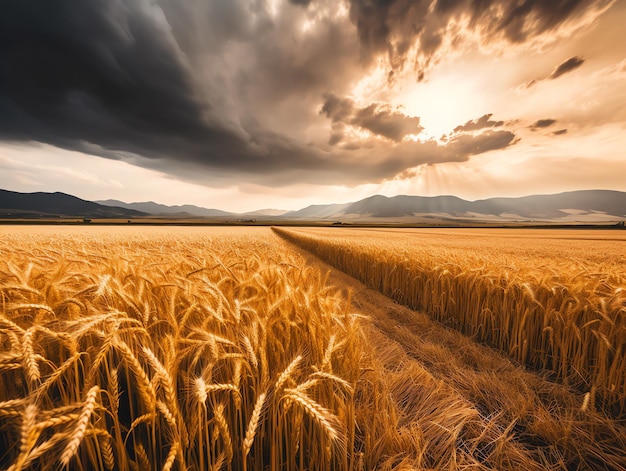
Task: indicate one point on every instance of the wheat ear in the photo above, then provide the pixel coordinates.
(81, 426)
(171, 457)
(106, 450)
(286, 374)
(30, 359)
(253, 424)
(141, 457)
(320, 414)
(30, 434)
(222, 425)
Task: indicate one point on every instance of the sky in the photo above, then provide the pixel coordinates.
(249, 104)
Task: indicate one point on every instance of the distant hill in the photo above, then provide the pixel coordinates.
(397, 206)
(15, 204)
(574, 205)
(319, 211)
(151, 207)
(267, 212)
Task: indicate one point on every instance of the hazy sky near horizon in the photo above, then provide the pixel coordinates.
(247, 104)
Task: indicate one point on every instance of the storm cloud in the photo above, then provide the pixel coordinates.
(382, 121)
(395, 26)
(543, 123)
(110, 78)
(483, 122)
(570, 64)
(377, 118)
(99, 73)
(218, 92)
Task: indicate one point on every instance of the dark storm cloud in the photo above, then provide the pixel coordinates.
(560, 132)
(483, 122)
(393, 26)
(110, 77)
(373, 161)
(379, 119)
(466, 145)
(570, 64)
(336, 108)
(382, 120)
(95, 71)
(543, 123)
(64, 62)
(300, 2)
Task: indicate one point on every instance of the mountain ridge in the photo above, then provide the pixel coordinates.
(16, 204)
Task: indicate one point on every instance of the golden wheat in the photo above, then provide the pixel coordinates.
(115, 340)
(187, 348)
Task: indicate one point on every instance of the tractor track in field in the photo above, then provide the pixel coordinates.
(541, 424)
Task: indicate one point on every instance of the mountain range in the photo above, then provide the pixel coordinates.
(584, 205)
(150, 207)
(573, 206)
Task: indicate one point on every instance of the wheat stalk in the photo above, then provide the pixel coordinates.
(12, 407)
(30, 433)
(322, 374)
(200, 389)
(162, 376)
(250, 351)
(221, 387)
(145, 387)
(55, 421)
(104, 441)
(37, 452)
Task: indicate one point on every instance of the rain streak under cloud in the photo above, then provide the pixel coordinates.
(393, 96)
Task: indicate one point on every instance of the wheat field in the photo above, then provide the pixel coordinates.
(555, 302)
(228, 348)
(121, 351)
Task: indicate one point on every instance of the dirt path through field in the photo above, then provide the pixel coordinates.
(495, 414)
